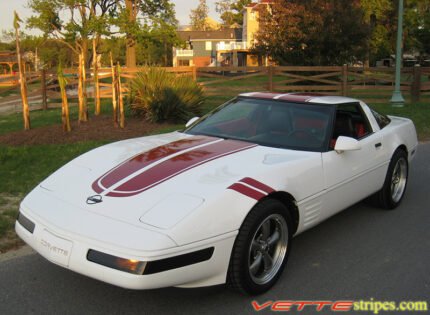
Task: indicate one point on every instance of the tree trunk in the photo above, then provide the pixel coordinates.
(84, 81)
(82, 94)
(23, 83)
(114, 95)
(166, 55)
(65, 117)
(96, 78)
(130, 41)
(120, 98)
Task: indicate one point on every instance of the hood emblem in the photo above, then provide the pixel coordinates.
(94, 199)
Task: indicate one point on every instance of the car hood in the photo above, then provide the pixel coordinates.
(157, 181)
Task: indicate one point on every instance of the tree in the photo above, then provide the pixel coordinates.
(72, 22)
(115, 46)
(22, 79)
(50, 53)
(382, 16)
(137, 19)
(82, 19)
(231, 12)
(199, 15)
(313, 32)
(378, 15)
(97, 103)
(65, 119)
(417, 27)
(131, 27)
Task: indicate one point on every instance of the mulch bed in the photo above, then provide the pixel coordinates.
(96, 129)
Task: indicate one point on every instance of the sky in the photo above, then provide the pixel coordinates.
(7, 7)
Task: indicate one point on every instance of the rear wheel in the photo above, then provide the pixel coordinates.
(261, 248)
(396, 180)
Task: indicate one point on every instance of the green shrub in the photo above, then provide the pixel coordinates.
(161, 96)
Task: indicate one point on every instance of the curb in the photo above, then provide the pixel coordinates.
(13, 254)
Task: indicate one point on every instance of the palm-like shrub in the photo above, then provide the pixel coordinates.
(161, 96)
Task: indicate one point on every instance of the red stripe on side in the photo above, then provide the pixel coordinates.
(145, 159)
(257, 184)
(177, 165)
(247, 191)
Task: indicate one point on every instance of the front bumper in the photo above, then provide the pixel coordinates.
(72, 253)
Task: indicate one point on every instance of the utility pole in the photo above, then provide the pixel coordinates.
(397, 99)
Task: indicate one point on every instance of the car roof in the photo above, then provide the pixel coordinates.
(302, 97)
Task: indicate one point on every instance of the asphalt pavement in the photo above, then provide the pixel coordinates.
(363, 253)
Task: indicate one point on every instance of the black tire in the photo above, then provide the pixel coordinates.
(391, 194)
(269, 215)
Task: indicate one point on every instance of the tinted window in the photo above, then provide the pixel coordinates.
(350, 122)
(270, 123)
(381, 119)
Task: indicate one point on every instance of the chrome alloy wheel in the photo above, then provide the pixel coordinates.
(398, 180)
(268, 248)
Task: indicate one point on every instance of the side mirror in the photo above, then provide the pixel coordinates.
(191, 121)
(346, 144)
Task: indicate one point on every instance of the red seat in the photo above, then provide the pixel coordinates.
(359, 129)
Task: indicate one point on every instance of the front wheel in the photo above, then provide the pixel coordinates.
(261, 248)
(396, 181)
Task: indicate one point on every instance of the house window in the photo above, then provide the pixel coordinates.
(208, 45)
(183, 63)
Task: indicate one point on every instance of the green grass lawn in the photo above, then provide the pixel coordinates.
(21, 168)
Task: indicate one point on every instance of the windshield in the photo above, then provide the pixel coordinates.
(270, 123)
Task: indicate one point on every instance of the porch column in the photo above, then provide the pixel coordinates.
(235, 59)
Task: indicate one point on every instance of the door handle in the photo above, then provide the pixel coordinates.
(378, 145)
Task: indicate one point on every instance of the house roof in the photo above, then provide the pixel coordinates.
(7, 56)
(256, 4)
(223, 34)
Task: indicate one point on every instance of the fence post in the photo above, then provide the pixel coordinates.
(44, 93)
(194, 73)
(345, 80)
(270, 78)
(416, 84)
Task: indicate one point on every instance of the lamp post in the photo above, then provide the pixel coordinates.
(397, 98)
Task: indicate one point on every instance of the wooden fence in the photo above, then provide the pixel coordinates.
(373, 85)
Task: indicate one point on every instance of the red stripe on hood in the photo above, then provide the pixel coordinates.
(145, 159)
(175, 166)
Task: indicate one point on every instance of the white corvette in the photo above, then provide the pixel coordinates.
(220, 201)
